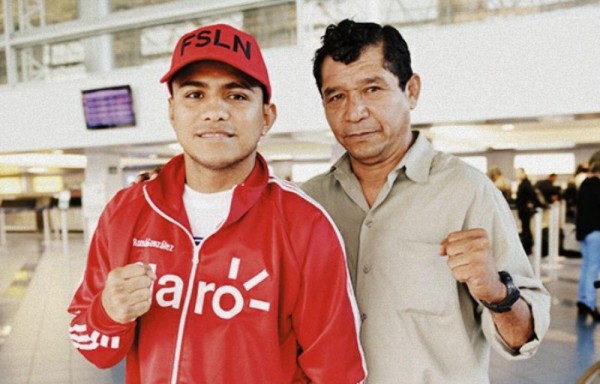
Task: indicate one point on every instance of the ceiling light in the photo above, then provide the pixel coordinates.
(37, 170)
(538, 146)
(555, 119)
(45, 160)
(130, 162)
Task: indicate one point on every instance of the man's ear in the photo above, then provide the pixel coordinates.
(171, 113)
(413, 90)
(269, 117)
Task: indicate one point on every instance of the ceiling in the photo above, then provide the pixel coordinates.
(548, 132)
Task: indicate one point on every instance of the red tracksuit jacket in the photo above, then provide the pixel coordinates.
(266, 299)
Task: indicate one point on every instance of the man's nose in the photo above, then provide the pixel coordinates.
(356, 109)
(214, 109)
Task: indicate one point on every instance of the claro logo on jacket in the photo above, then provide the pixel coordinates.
(226, 301)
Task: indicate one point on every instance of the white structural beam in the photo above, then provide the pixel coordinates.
(11, 60)
(98, 49)
(172, 12)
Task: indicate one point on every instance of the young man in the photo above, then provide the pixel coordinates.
(426, 235)
(588, 234)
(215, 272)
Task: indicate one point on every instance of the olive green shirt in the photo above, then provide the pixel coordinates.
(419, 325)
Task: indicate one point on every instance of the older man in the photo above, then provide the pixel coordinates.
(433, 249)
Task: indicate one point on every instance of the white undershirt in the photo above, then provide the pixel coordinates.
(206, 211)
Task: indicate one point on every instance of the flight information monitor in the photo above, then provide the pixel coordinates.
(108, 107)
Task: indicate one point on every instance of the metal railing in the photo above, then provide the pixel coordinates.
(552, 263)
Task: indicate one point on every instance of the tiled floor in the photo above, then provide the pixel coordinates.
(36, 283)
(571, 345)
(40, 281)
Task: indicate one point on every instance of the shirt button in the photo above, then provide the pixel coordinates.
(363, 316)
(369, 223)
(367, 268)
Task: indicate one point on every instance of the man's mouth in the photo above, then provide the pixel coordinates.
(215, 135)
(359, 134)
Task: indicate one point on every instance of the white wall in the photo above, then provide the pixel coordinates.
(50, 115)
(545, 64)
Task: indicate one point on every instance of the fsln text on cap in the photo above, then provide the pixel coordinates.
(204, 38)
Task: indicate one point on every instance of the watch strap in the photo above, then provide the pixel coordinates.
(512, 295)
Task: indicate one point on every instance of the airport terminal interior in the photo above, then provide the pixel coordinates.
(505, 85)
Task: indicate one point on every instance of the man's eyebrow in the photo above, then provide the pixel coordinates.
(329, 90)
(229, 86)
(193, 83)
(368, 80)
(239, 84)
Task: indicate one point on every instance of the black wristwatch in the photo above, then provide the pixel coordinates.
(512, 295)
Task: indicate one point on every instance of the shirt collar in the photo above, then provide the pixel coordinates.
(418, 159)
(416, 163)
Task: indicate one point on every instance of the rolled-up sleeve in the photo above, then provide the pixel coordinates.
(494, 215)
(538, 299)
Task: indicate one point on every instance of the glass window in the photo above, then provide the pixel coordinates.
(546, 163)
(40, 13)
(123, 5)
(57, 61)
(11, 185)
(47, 184)
(126, 47)
(61, 11)
(272, 26)
(143, 46)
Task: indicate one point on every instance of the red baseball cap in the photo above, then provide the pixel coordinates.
(223, 43)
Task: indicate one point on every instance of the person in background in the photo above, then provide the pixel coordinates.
(433, 250)
(215, 272)
(549, 190)
(581, 174)
(154, 173)
(588, 234)
(142, 176)
(501, 182)
(527, 201)
(570, 193)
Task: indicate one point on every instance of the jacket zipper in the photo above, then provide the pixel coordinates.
(184, 312)
(190, 287)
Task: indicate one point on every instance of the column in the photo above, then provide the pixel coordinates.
(103, 178)
(99, 56)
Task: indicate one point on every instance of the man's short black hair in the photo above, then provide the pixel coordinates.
(346, 41)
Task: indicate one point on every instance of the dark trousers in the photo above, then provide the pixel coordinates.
(526, 235)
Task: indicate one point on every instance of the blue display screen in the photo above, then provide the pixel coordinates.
(108, 107)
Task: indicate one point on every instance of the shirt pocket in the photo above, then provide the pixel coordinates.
(423, 283)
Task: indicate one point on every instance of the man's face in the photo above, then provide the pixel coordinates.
(367, 110)
(218, 117)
